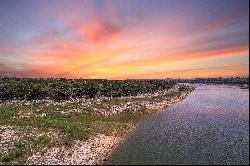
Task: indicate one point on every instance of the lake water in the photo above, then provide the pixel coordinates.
(210, 126)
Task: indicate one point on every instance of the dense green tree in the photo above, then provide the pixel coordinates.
(63, 89)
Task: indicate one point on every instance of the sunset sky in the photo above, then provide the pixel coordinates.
(120, 39)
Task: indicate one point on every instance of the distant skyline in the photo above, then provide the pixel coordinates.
(124, 39)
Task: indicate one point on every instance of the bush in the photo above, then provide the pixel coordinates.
(63, 89)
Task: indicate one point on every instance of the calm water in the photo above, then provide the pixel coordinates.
(210, 126)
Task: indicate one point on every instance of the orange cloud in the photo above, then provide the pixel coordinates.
(224, 70)
(115, 46)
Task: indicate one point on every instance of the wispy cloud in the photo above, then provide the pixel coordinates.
(105, 40)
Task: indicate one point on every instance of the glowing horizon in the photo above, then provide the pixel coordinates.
(124, 39)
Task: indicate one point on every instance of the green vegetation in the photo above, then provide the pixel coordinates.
(75, 126)
(44, 123)
(63, 89)
(69, 128)
(16, 154)
(186, 88)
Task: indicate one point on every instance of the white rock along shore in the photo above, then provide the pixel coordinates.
(82, 153)
(90, 152)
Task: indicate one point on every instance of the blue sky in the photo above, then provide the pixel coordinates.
(119, 39)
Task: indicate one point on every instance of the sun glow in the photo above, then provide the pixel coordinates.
(140, 40)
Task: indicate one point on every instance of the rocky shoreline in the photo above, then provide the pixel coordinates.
(91, 152)
(102, 159)
(82, 152)
(98, 147)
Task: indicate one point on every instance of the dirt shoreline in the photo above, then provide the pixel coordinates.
(93, 151)
(123, 138)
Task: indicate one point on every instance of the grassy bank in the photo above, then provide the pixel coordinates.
(29, 126)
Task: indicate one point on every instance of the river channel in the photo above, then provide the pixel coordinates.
(210, 126)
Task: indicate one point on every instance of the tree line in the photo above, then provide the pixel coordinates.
(63, 89)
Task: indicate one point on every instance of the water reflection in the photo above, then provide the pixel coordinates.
(210, 126)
